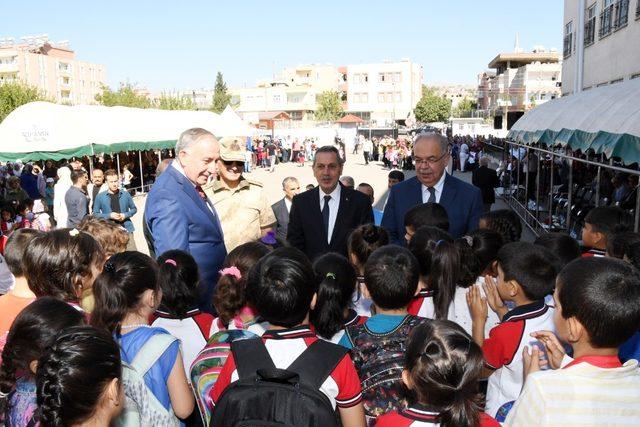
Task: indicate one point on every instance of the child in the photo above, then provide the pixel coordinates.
(48, 194)
(599, 224)
(337, 283)
(618, 244)
(23, 219)
(426, 214)
(230, 299)
(178, 312)
(20, 296)
(112, 238)
(423, 245)
(282, 288)
(441, 371)
(563, 246)
(127, 292)
(504, 221)
(597, 309)
(631, 254)
(8, 220)
(378, 345)
(62, 263)
(79, 379)
(32, 332)
(361, 243)
(526, 274)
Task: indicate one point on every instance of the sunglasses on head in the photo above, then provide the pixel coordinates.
(233, 163)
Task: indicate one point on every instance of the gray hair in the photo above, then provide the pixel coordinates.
(288, 180)
(347, 181)
(441, 139)
(484, 161)
(190, 137)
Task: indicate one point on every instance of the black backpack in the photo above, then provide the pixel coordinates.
(267, 396)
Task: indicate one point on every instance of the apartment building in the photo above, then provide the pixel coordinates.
(601, 43)
(522, 80)
(52, 68)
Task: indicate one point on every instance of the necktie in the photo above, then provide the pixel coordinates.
(325, 214)
(201, 193)
(432, 195)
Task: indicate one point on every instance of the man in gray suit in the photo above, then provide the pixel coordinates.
(281, 208)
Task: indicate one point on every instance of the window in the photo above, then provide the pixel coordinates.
(276, 99)
(590, 26)
(381, 97)
(621, 14)
(606, 18)
(398, 97)
(568, 39)
(381, 77)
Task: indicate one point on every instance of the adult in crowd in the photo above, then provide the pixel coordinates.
(242, 206)
(486, 179)
(462, 201)
(14, 194)
(116, 205)
(180, 216)
(96, 186)
(30, 183)
(348, 182)
(367, 189)
(394, 177)
(464, 156)
(367, 147)
(76, 198)
(59, 191)
(322, 218)
(282, 207)
(148, 237)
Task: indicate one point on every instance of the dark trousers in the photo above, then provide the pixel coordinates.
(366, 157)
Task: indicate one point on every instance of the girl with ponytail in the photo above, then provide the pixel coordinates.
(127, 293)
(33, 330)
(332, 312)
(442, 369)
(79, 379)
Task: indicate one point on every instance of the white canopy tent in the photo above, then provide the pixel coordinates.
(42, 130)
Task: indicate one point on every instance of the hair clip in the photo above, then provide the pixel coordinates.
(3, 395)
(172, 262)
(331, 275)
(231, 271)
(439, 242)
(74, 232)
(468, 239)
(269, 238)
(108, 266)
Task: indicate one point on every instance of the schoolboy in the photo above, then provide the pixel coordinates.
(599, 224)
(391, 276)
(281, 287)
(426, 214)
(526, 274)
(597, 304)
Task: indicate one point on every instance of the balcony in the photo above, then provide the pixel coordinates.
(10, 67)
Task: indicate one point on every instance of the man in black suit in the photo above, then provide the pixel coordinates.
(281, 208)
(322, 218)
(486, 179)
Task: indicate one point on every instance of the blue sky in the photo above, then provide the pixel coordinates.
(166, 45)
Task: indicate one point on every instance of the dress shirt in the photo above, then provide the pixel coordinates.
(439, 187)
(334, 205)
(287, 204)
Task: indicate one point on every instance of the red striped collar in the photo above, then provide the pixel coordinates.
(421, 413)
(352, 318)
(301, 331)
(527, 311)
(606, 362)
(424, 293)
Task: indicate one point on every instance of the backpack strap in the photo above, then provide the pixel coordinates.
(250, 355)
(317, 362)
(151, 351)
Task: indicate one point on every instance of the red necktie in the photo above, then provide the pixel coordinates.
(201, 193)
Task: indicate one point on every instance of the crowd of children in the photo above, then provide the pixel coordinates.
(475, 331)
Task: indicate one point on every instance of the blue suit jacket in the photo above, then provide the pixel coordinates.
(179, 219)
(462, 201)
(102, 207)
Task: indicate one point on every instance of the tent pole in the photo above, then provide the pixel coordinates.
(637, 221)
(538, 189)
(570, 198)
(141, 177)
(118, 163)
(598, 184)
(90, 166)
(526, 180)
(551, 195)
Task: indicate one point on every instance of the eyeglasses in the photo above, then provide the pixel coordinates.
(233, 163)
(429, 161)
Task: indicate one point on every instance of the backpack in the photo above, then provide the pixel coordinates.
(267, 396)
(379, 360)
(142, 407)
(207, 366)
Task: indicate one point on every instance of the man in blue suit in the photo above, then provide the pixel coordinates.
(462, 201)
(178, 213)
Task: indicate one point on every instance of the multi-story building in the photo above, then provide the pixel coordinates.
(483, 89)
(601, 43)
(381, 92)
(522, 81)
(456, 93)
(52, 68)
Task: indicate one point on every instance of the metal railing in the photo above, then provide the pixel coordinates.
(606, 21)
(590, 31)
(567, 45)
(621, 16)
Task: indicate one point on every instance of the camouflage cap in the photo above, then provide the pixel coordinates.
(232, 148)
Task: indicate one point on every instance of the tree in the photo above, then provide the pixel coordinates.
(15, 94)
(465, 106)
(329, 106)
(126, 96)
(431, 107)
(220, 96)
(167, 102)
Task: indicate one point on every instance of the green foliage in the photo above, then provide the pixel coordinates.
(431, 107)
(15, 94)
(175, 103)
(465, 107)
(329, 106)
(125, 96)
(220, 96)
